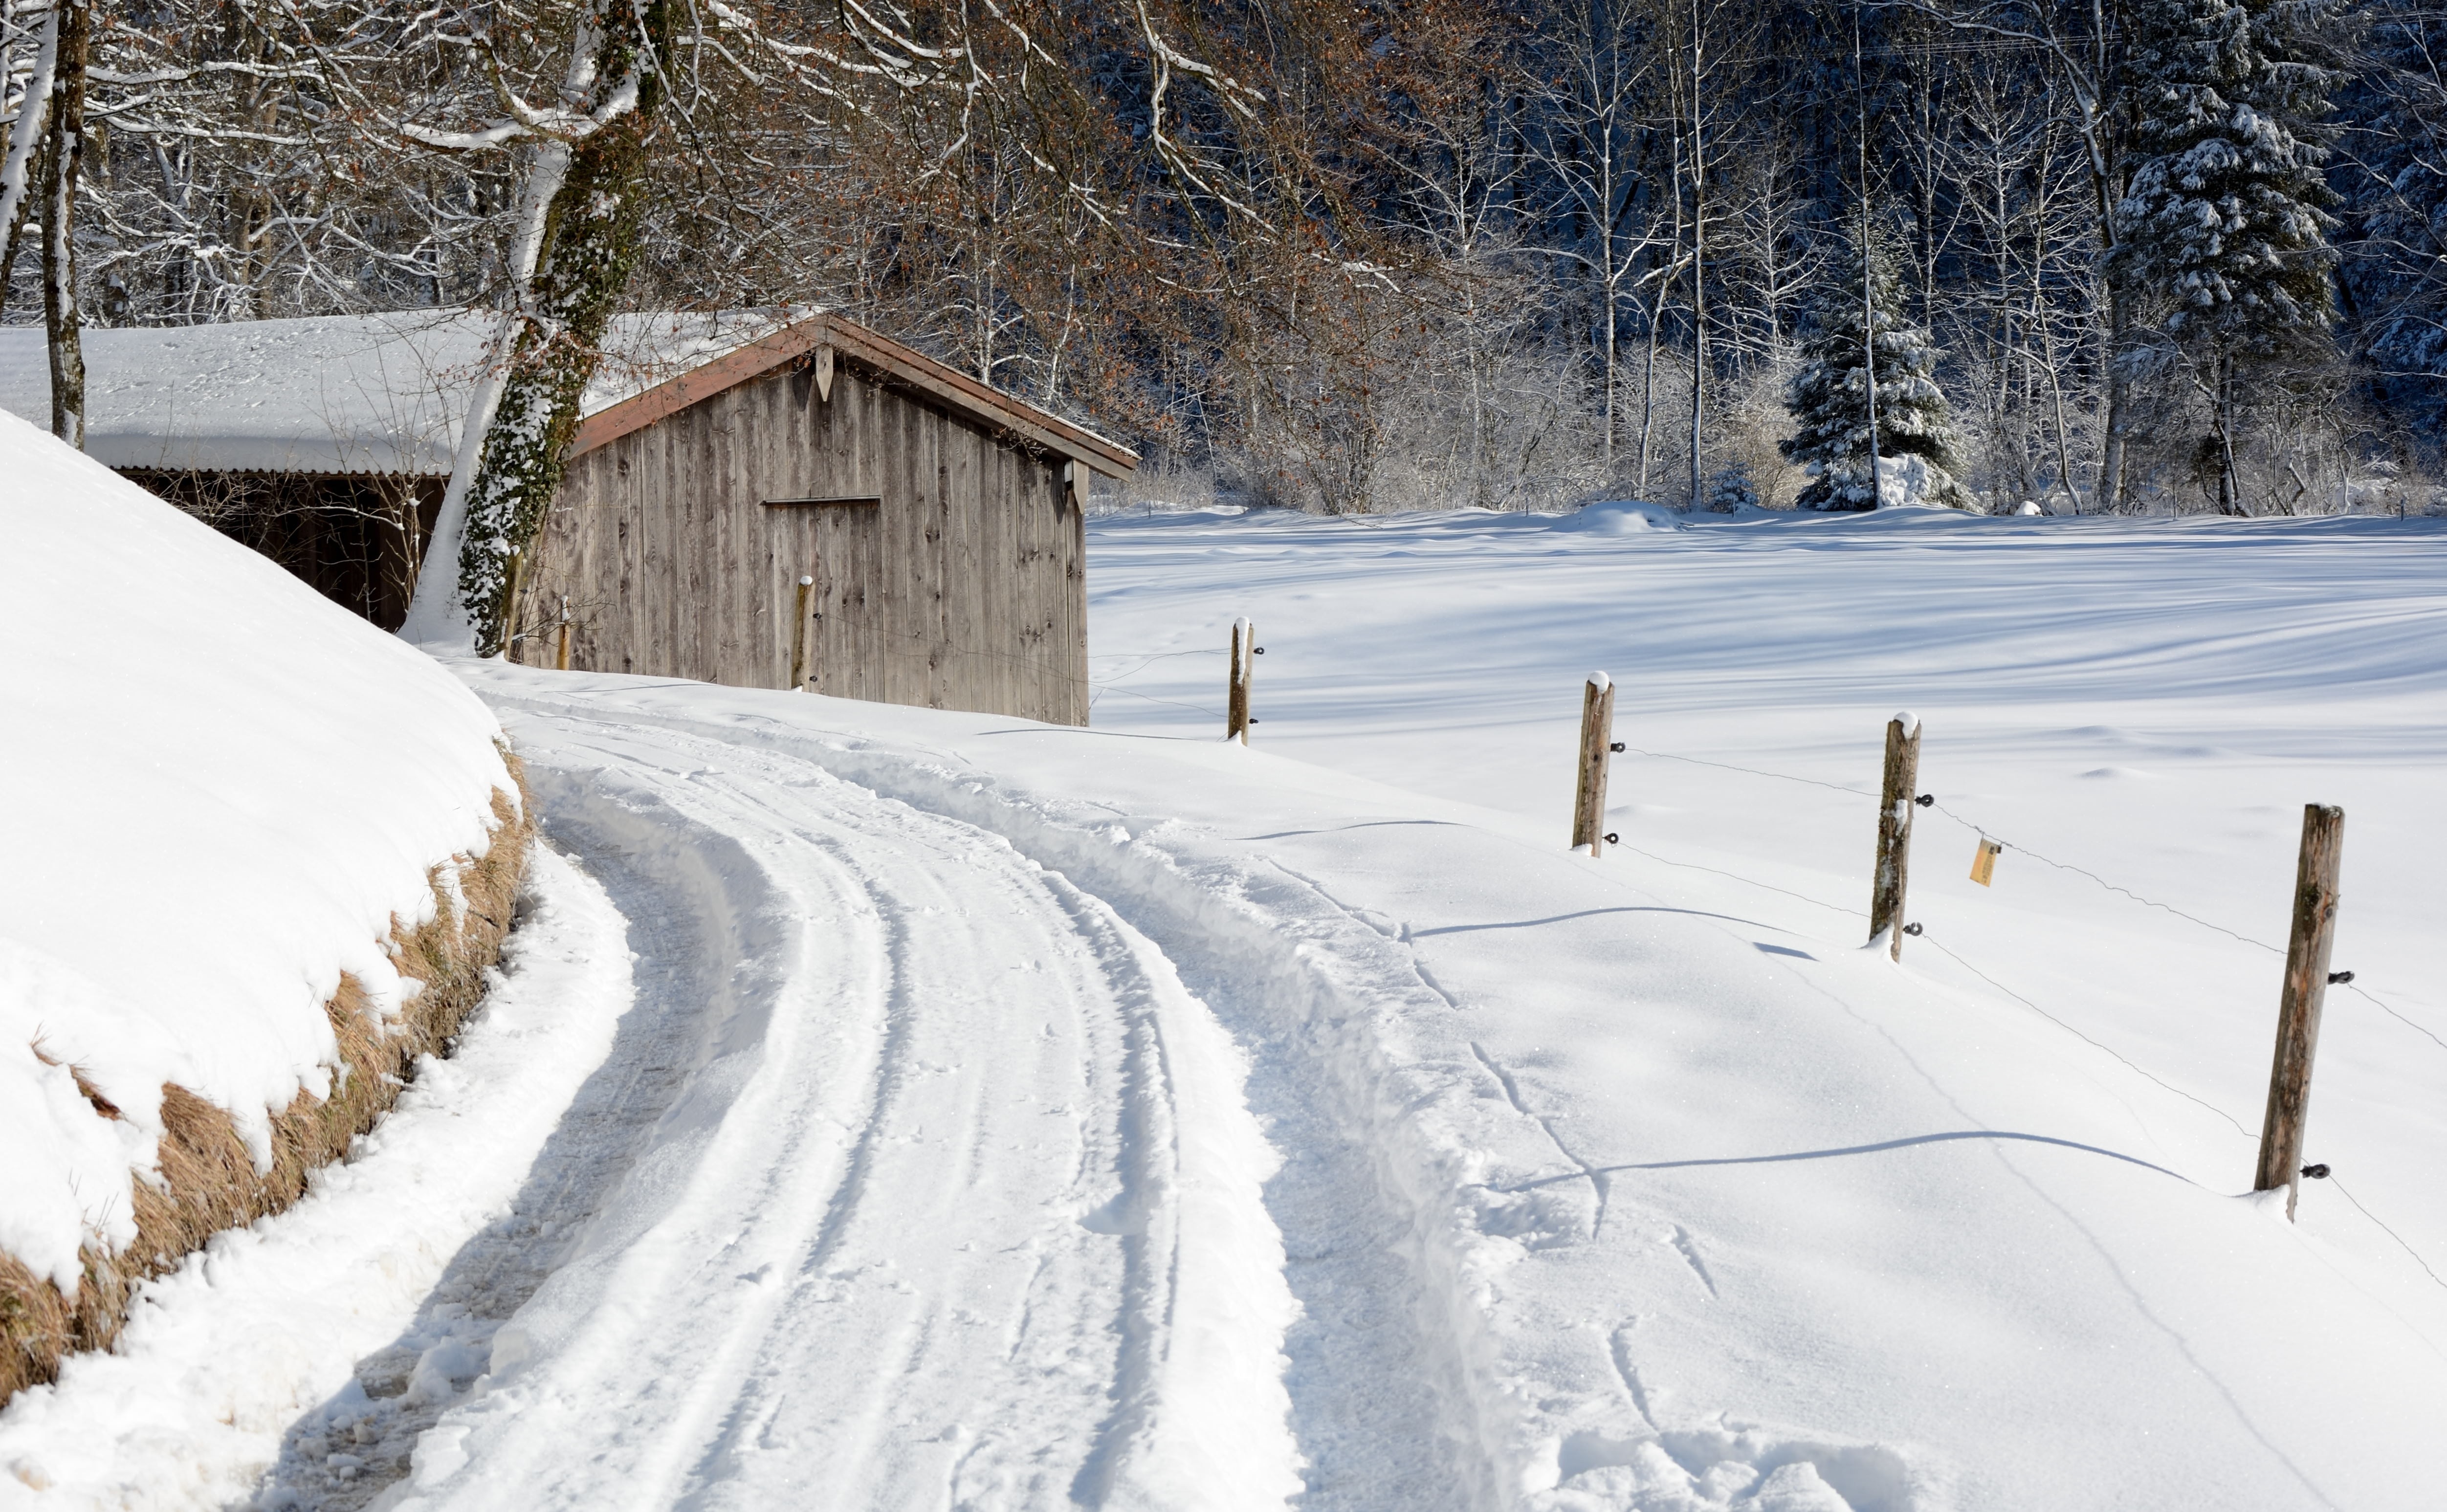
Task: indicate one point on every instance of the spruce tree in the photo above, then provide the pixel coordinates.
(1829, 399)
(2223, 221)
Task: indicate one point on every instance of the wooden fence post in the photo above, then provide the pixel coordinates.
(1895, 801)
(1597, 745)
(560, 658)
(799, 636)
(1245, 657)
(2300, 1001)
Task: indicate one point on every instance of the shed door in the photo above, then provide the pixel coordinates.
(839, 543)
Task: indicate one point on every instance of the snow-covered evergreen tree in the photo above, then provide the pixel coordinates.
(1830, 399)
(2223, 221)
(1731, 491)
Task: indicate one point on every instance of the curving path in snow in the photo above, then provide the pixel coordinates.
(886, 1166)
(959, 1203)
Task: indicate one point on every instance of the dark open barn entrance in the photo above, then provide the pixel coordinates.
(357, 540)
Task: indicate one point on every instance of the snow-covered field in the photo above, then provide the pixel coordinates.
(1006, 1116)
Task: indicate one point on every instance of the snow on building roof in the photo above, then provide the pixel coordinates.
(380, 393)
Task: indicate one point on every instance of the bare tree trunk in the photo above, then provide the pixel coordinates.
(434, 613)
(20, 168)
(2230, 489)
(1648, 388)
(63, 156)
(590, 238)
(1698, 265)
(2119, 406)
(1606, 280)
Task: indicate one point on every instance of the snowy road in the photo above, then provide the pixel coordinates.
(1004, 1115)
(959, 1203)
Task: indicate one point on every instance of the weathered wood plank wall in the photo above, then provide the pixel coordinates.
(965, 586)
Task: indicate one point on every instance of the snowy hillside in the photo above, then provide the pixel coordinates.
(1001, 1115)
(224, 793)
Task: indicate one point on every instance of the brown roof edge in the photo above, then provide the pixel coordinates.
(882, 354)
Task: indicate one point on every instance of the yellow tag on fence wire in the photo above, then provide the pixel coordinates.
(1984, 863)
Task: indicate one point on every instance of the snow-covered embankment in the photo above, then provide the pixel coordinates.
(261, 854)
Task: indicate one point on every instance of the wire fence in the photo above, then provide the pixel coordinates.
(1986, 834)
(1138, 662)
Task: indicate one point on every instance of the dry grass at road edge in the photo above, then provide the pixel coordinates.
(207, 1180)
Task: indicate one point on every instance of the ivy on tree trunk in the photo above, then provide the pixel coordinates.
(589, 245)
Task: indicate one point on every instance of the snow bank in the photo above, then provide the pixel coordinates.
(192, 1403)
(223, 792)
(1620, 516)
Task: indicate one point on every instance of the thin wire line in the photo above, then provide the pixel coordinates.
(1983, 833)
(1129, 692)
(2120, 1059)
(1928, 939)
(1782, 776)
(2399, 1017)
(1148, 656)
(2389, 1232)
(2373, 999)
(1751, 881)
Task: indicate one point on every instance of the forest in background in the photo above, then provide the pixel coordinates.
(1396, 254)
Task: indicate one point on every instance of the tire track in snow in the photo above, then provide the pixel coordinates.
(1393, 1397)
(961, 1204)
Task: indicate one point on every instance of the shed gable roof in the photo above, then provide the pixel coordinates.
(886, 359)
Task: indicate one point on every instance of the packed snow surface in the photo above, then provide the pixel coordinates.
(222, 788)
(1010, 1116)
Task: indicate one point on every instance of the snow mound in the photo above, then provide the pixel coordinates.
(223, 790)
(1620, 516)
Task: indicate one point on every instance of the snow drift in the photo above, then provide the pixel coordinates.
(263, 852)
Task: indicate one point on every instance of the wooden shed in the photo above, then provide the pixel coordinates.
(748, 501)
(938, 520)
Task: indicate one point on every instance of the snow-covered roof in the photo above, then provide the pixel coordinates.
(328, 394)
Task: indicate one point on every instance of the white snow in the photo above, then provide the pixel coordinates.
(1905, 482)
(222, 788)
(381, 393)
(1020, 1116)
(267, 1324)
(1618, 516)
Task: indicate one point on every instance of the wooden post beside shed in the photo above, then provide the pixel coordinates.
(800, 624)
